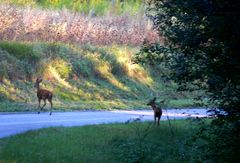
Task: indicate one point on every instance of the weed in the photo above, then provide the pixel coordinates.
(26, 24)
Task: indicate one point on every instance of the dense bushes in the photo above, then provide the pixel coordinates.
(21, 51)
(202, 51)
(14, 68)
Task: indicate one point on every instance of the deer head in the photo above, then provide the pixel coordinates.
(152, 102)
(38, 81)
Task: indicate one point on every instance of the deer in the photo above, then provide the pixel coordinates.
(43, 94)
(157, 110)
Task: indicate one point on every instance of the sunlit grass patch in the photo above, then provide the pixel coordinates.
(124, 59)
(104, 71)
(9, 91)
(55, 74)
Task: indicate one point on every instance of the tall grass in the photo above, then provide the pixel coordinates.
(26, 24)
(92, 7)
(81, 77)
(134, 142)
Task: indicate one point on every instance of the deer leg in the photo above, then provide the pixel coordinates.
(160, 117)
(39, 103)
(50, 101)
(158, 121)
(155, 119)
(44, 100)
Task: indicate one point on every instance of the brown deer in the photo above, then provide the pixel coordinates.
(157, 110)
(43, 94)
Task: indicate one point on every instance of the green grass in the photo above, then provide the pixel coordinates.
(96, 7)
(180, 103)
(133, 142)
(20, 50)
(81, 77)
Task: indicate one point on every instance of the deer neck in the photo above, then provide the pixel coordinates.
(38, 88)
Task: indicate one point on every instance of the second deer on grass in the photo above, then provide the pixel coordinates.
(157, 110)
(44, 95)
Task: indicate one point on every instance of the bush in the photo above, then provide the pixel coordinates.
(13, 68)
(83, 67)
(21, 51)
(63, 68)
(202, 53)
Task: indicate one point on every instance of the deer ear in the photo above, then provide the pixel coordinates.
(39, 79)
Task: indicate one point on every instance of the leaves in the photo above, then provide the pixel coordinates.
(203, 38)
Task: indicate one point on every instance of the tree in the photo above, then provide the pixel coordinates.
(201, 48)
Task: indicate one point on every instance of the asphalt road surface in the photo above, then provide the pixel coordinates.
(15, 123)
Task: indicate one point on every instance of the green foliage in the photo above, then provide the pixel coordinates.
(63, 68)
(83, 67)
(152, 54)
(92, 7)
(81, 77)
(131, 142)
(14, 68)
(4, 94)
(216, 142)
(201, 38)
(203, 50)
(20, 50)
(18, 60)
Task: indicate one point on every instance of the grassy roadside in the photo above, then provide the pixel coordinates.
(81, 77)
(133, 142)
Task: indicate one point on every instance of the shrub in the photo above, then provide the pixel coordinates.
(13, 68)
(83, 67)
(20, 50)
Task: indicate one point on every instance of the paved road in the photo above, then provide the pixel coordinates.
(14, 123)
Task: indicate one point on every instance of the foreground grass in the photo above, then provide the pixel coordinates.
(132, 142)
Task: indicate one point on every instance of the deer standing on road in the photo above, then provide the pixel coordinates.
(43, 94)
(157, 110)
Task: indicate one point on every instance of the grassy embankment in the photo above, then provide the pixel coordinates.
(134, 142)
(81, 77)
(89, 68)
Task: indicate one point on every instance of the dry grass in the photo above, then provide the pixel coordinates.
(27, 24)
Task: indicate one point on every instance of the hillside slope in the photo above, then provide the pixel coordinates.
(81, 77)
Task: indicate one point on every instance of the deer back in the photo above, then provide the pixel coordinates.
(44, 94)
